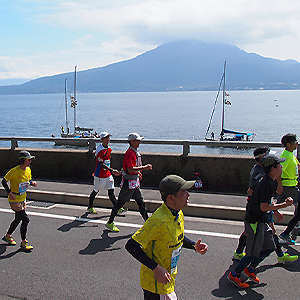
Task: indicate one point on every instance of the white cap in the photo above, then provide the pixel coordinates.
(135, 136)
(104, 134)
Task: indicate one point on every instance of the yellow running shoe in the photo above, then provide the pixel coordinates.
(26, 246)
(112, 227)
(287, 258)
(9, 240)
(92, 210)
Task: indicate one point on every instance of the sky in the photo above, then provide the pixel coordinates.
(44, 38)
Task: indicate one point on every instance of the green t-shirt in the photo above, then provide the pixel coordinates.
(289, 174)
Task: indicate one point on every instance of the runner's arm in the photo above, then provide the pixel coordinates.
(114, 171)
(135, 249)
(5, 185)
(189, 244)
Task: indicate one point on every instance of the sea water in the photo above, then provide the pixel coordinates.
(157, 115)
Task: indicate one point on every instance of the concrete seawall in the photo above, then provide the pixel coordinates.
(219, 172)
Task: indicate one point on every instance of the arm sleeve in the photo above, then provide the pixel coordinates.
(187, 243)
(5, 185)
(135, 249)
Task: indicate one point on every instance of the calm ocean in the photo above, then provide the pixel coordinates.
(166, 115)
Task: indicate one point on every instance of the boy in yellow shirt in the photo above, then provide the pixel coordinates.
(157, 245)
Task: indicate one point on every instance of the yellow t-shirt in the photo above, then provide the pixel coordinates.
(289, 174)
(19, 182)
(161, 238)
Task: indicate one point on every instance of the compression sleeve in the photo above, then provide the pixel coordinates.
(5, 185)
(135, 249)
(187, 243)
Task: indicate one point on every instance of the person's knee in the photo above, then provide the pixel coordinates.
(23, 216)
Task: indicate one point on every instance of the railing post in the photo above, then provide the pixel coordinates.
(186, 148)
(14, 144)
(92, 145)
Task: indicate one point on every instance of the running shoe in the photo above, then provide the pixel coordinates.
(9, 240)
(238, 256)
(26, 246)
(122, 210)
(239, 282)
(112, 227)
(287, 258)
(250, 276)
(92, 210)
(287, 238)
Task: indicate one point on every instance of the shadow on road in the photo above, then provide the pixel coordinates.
(230, 291)
(79, 222)
(3, 248)
(105, 243)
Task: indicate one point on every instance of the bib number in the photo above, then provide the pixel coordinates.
(23, 186)
(174, 260)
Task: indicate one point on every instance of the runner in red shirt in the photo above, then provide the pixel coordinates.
(102, 175)
(130, 185)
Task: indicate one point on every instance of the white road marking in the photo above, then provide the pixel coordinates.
(131, 225)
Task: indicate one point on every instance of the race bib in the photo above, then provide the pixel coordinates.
(133, 184)
(23, 186)
(107, 163)
(174, 260)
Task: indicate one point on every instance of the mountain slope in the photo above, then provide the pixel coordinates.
(182, 65)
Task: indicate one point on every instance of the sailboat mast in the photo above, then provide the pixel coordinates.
(75, 99)
(223, 105)
(66, 102)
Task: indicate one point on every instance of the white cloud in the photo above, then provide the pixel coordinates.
(107, 31)
(82, 41)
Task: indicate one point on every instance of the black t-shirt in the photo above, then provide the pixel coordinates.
(262, 193)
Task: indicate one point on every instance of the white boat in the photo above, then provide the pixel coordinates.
(79, 135)
(226, 135)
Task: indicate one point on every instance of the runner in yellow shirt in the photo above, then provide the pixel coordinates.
(20, 179)
(157, 245)
(289, 179)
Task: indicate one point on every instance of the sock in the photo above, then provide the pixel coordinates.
(234, 274)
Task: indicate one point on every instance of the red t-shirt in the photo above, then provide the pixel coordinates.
(102, 155)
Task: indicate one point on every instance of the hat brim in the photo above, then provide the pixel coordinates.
(281, 159)
(30, 157)
(188, 185)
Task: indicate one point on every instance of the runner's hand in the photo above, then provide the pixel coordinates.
(147, 167)
(289, 201)
(12, 196)
(278, 215)
(201, 247)
(116, 172)
(162, 275)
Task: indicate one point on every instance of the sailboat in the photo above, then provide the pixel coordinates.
(78, 132)
(226, 135)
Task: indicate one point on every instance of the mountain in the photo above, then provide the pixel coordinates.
(182, 65)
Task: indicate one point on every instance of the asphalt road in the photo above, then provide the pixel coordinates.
(75, 257)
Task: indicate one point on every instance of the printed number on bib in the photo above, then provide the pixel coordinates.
(23, 186)
(107, 163)
(174, 260)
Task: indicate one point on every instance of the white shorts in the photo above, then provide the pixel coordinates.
(103, 183)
